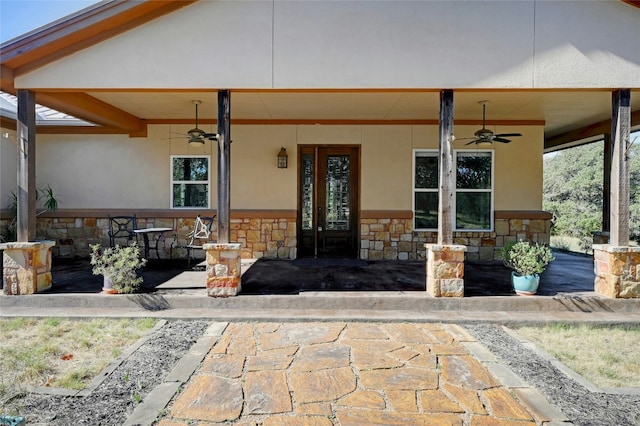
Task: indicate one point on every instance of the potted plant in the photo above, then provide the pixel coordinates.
(119, 267)
(528, 261)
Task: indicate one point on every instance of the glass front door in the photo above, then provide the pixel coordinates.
(328, 201)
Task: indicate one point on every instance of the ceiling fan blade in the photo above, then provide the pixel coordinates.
(472, 142)
(508, 134)
(184, 135)
(497, 139)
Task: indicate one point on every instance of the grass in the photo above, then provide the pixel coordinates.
(606, 356)
(61, 352)
(572, 244)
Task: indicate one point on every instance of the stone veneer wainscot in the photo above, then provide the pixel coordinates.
(387, 235)
(26, 267)
(617, 271)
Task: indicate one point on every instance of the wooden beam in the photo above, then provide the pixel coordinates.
(224, 166)
(8, 123)
(347, 122)
(90, 109)
(606, 184)
(6, 79)
(620, 167)
(634, 3)
(447, 170)
(26, 190)
(587, 132)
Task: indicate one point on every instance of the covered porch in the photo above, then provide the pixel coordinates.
(287, 92)
(566, 294)
(571, 273)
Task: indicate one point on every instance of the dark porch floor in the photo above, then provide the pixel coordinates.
(570, 273)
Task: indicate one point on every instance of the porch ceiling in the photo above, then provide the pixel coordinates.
(559, 111)
(569, 117)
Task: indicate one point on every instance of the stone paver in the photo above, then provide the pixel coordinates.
(330, 374)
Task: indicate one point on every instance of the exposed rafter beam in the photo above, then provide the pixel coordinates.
(586, 132)
(93, 110)
(6, 79)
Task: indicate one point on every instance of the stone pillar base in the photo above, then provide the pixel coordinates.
(617, 271)
(223, 269)
(445, 270)
(26, 267)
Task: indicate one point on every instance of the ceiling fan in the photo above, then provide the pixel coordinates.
(196, 135)
(486, 136)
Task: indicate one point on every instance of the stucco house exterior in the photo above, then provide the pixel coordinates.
(351, 90)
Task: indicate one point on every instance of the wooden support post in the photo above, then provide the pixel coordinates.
(447, 169)
(224, 166)
(26, 190)
(606, 184)
(620, 174)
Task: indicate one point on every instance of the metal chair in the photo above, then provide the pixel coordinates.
(122, 227)
(200, 235)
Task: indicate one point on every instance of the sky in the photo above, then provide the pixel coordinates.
(21, 16)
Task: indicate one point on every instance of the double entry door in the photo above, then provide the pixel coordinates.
(328, 195)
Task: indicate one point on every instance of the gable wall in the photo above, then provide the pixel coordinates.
(517, 44)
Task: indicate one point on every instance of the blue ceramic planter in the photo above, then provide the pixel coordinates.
(525, 284)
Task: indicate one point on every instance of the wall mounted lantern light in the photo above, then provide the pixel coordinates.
(283, 158)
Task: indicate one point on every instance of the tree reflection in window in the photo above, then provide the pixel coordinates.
(308, 176)
(190, 181)
(426, 190)
(474, 190)
(337, 193)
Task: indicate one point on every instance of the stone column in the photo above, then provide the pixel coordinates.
(26, 267)
(617, 271)
(223, 269)
(445, 270)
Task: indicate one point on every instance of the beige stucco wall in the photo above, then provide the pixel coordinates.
(8, 166)
(367, 44)
(115, 171)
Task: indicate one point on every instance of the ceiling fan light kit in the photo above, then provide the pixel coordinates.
(485, 137)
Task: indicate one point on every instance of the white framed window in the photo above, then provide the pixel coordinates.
(474, 190)
(190, 187)
(425, 189)
(473, 202)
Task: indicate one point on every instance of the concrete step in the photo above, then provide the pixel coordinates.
(337, 301)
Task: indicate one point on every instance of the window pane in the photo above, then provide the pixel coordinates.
(338, 193)
(189, 195)
(426, 213)
(196, 169)
(473, 210)
(474, 170)
(426, 171)
(308, 175)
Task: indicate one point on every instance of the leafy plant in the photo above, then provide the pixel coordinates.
(526, 258)
(120, 265)
(49, 203)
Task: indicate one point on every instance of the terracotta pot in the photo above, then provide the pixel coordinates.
(107, 286)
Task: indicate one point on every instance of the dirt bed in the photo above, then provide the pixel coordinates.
(581, 406)
(119, 394)
(116, 398)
